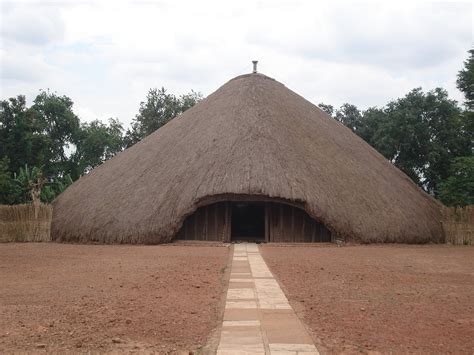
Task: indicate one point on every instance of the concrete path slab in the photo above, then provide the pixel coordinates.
(258, 318)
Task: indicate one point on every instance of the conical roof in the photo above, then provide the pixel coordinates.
(253, 136)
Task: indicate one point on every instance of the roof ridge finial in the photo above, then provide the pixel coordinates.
(254, 66)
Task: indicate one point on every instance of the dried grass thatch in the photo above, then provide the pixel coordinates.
(253, 136)
(24, 223)
(458, 224)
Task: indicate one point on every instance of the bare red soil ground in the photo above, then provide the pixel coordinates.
(59, 297)
(399, 299)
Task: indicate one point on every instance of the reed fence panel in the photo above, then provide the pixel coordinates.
(22, 223)
(458, 225)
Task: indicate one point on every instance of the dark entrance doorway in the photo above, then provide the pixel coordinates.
(253, 221)
(248, 221)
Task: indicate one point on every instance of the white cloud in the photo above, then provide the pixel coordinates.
(105, 55)
(32, 25)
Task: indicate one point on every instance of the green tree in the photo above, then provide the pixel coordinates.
(61, 128)
(31, 184)
(158, 109)
(96, 143)
(22, 135)
(458, 188)
(49, 135)
(465, 80)
(54, 187)
(371, 126)
(329, 109)
(188, 100)
(349, 115)
(10, 193)
(36, 136)
(421, 133)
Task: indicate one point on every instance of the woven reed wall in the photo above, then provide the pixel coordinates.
(458, 225)
(20, 223)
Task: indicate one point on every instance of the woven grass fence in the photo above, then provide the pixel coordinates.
(21, 223)
(458, 225)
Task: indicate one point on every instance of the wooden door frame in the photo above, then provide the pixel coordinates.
(228, 222)
(267, 229)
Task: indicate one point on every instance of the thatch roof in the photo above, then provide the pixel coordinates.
(253, 136)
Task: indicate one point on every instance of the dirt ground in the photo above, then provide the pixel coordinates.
(59, 297)
(400, 299)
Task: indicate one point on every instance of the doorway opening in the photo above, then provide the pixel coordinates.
(248, 222)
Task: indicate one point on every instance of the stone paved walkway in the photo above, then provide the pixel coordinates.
(258, 318)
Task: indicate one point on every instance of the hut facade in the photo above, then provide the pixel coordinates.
(252, 161)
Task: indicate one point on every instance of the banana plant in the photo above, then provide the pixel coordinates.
(37, 188)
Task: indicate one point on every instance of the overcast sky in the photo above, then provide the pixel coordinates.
(105, 55)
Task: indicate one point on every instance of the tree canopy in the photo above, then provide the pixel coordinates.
(425, 134)
(465, 81)
(158, 109)
(48, 138)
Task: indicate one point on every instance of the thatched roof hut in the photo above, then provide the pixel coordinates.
(252, 139)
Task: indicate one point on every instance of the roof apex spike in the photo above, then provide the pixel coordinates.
(255, 62)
